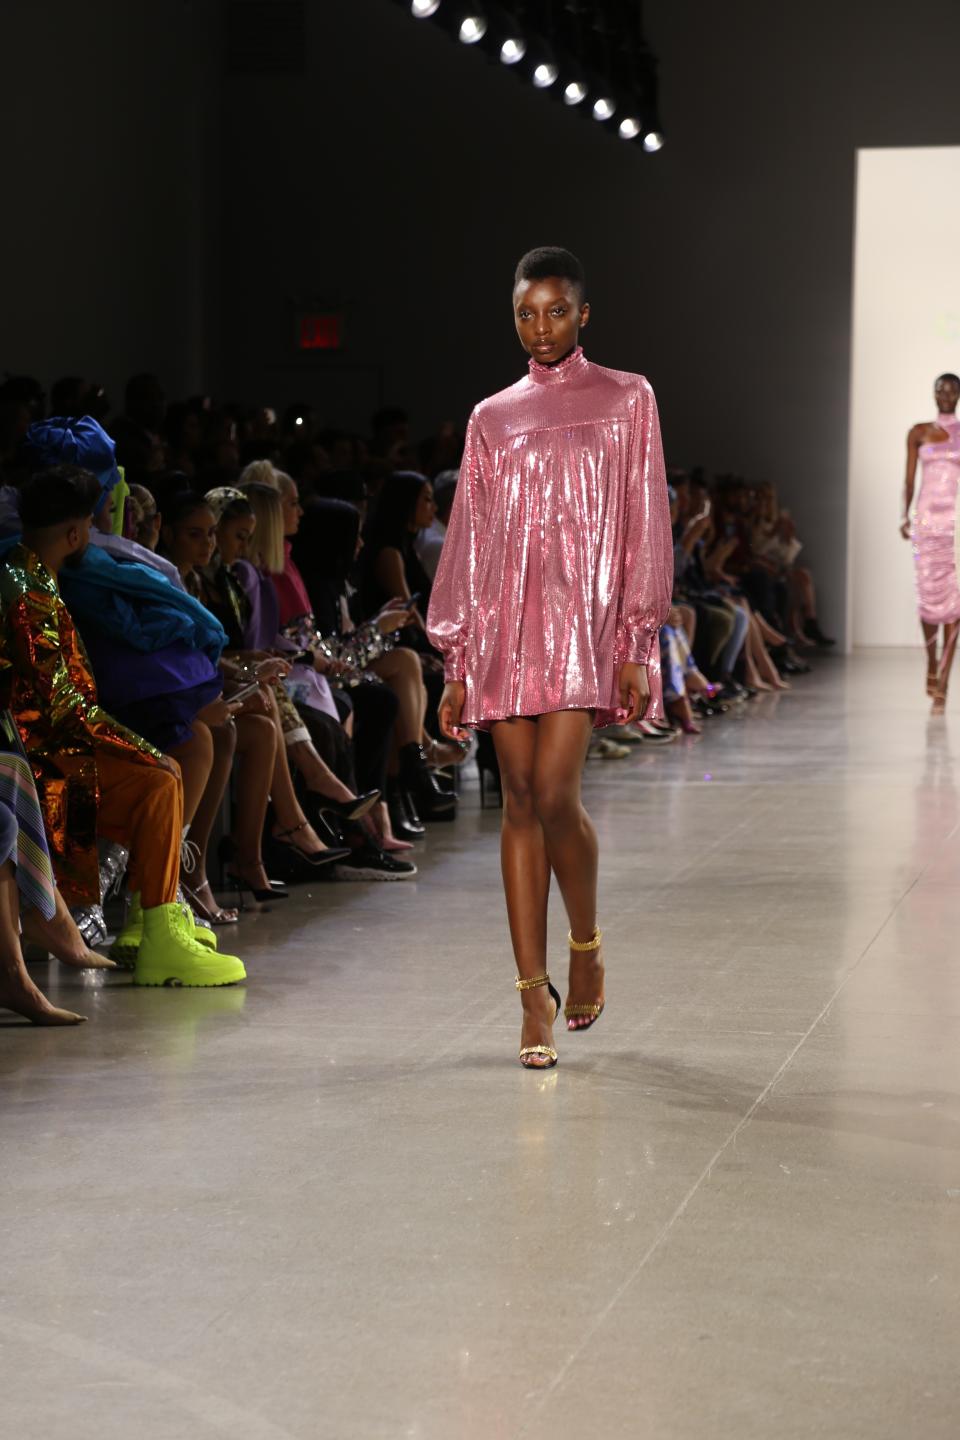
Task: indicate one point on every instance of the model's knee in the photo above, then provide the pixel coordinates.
(518, 807)
(557, 806)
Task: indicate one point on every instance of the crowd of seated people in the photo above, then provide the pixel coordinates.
(213, 659)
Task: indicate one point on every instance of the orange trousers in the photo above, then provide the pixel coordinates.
(141, 807)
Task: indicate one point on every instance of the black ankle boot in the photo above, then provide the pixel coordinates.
(416, 777)
(404, 820)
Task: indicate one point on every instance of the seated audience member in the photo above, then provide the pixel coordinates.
(138, 432)
(776, 542)
(327, 547)
(429, 542)
(190, 536)
(17, 991)
(145, 518)
(94, 776)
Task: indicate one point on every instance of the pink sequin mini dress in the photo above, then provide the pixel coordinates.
(934, 522)
(557, 565)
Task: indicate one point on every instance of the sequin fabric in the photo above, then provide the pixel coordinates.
(47, 685)
(934, 522)
(557, 566)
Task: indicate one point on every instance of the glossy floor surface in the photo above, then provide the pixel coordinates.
(332, 1204)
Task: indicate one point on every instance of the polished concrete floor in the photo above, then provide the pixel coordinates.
(331, 1204)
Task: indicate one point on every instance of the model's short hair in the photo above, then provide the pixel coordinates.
(949, 375)
(57, 494)
(549, 260)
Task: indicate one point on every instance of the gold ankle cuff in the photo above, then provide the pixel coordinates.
(593, 944)
(532, 984)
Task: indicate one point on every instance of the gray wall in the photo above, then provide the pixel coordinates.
(109, 121)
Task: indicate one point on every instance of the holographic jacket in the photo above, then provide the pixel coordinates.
(46, 683)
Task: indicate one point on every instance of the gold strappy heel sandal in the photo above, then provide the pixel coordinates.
(590, 1012)
(544, 1050)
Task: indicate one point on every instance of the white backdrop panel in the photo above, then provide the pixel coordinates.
(906, 331)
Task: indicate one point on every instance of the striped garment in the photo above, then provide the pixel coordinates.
(31, 857)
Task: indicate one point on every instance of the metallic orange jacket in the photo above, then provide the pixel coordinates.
(47, 684)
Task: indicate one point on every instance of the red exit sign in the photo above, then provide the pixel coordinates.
(320, 331)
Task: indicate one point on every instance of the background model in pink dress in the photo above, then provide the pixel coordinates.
(557, 566)
(934, 524)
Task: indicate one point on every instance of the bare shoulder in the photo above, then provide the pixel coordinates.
(919, 432)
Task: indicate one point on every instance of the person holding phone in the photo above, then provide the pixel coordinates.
(555, 577)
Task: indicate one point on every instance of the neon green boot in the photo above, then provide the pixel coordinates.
(124, 948)
(170, 954)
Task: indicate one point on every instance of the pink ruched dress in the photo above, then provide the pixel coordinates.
(934, 521)
(557, 566)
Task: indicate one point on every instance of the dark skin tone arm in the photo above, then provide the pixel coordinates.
(548, 315)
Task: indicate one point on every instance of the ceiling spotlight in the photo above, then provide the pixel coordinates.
(545, 75)
(603, 108)
(513, 49)
(423, 9)
(629, 128)
(575, 92)
(652, 141)
(473, 28)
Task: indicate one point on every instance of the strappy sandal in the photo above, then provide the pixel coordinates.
(591, 1013)
(546, 1051)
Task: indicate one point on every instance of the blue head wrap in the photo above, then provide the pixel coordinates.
(81, 441)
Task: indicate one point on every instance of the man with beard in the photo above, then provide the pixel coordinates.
(94, 777)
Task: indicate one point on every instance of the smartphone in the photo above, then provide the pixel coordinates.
(243, 694)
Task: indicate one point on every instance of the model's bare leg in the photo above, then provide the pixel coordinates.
(931, 634)
(526, 875)
(946, 661)
(571, 841)
(61, 938)
(17, 991)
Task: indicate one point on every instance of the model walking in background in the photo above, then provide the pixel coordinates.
(936, 443)
(555, 576)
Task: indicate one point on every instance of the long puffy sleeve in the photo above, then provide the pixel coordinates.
(453, 597)
(647, 583)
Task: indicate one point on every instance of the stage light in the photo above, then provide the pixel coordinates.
(545, 75)
(513, 49)
(629, 128)
(652, 141)
(473, 28)
(423, 9)
(574, 93)
(603, 108)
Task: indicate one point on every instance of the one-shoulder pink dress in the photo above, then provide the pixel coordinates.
(557, 564)
(934, 523)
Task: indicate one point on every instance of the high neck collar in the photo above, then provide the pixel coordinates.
(950, 418)
(567, 368)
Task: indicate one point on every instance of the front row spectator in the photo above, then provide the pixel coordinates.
(95, 778)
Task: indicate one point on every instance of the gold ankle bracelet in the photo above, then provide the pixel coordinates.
(533, 984)
(593, 944)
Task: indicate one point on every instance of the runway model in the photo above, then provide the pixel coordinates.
(937, 446)
(555, 576)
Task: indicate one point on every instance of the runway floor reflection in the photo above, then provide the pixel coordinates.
(333, 1205)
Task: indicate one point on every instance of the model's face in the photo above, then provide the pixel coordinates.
(292, 510)
(549, 316)
(946, 393)
(194, 540)
(234, 536)
(426, 511)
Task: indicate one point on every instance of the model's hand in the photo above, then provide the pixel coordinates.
(451, 708)
(905, 529)
(634, 691)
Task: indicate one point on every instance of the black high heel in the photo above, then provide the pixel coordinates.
(344, 810)
(262, 897)
(405, 826)
(320, 857)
